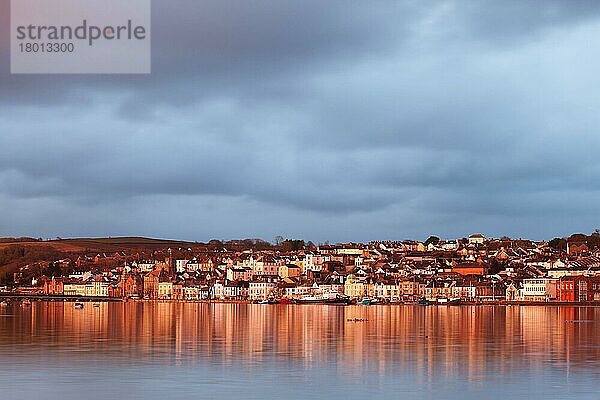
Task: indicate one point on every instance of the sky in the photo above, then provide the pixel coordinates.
(327, 121)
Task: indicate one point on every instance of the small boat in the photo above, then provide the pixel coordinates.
(424, 302)
(78, 305)
(26, 303)
(263, 302)
(369, 301)
(4, 303)
(365, 301)
(96, 305)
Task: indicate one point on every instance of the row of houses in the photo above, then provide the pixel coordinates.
(572, 288)
(578, 288)
(473, 269)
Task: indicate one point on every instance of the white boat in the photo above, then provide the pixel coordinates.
(448, 301)
(78, 305)
(324, 298)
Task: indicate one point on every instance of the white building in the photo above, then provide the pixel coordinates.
(390, 292)
(144, 266)
(539, 289)
(193, 265)
(165, 290)
(464, 292)
(450, 245)
(191, 293)
(476, 238)
(298, 291)
(261, 290)
(180, 266)
(350, 252)
(239, 274)
(88, 289)
(230, 290)
(312, 262)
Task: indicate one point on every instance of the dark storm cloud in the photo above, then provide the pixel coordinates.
(245, 48)
(327, 120)
(200, 48)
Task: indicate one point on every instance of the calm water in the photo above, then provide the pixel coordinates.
(226, 351)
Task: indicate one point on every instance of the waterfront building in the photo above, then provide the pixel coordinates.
(538, 289)
(261, 290)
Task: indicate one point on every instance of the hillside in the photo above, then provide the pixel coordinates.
(17, 252)
(122, 243)
(100, 244)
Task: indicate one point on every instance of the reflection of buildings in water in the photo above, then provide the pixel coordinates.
(427, 342)
(541, 334)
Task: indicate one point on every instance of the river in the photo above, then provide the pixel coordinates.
(151, 351)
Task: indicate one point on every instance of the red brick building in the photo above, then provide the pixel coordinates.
(470, 268)
(577, 248)
(128, 286)
(53, 286)
(578, 288)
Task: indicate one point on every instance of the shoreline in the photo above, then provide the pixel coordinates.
(72, 299)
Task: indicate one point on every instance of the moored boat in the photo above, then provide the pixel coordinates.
(324, 298)
(448, 301)
(270, 300)
(365, 301)
(424, 302)
(78, 305)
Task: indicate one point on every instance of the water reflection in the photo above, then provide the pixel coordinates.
(420, 350)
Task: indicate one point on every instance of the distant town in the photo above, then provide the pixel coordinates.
(474, 269)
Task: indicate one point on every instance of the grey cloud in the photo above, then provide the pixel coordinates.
(235, 48)
(336, 121)
(505, 21)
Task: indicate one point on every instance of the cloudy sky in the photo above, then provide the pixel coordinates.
(323, 120)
